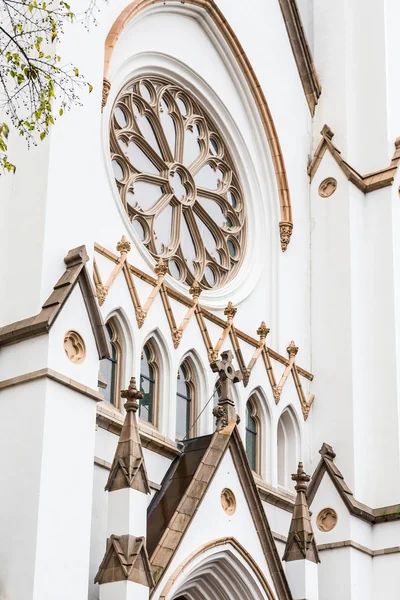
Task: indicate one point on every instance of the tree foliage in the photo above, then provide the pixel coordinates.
(36, 87)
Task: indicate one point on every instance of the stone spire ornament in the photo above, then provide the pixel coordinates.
(128, 468)
(225, 411)
(301, 543)
(125, 571)
(301, 554)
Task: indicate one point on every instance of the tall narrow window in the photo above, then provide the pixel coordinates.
(252, 436)
(148, 385)
(287, 448)
(110, 368)
(184, 403)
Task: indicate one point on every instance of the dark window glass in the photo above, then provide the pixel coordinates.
(108, 370)
(147, 386)
(183, 405)
(251, 437)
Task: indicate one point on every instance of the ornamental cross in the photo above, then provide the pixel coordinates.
(301, 478)
(132, 396)
(225, 410)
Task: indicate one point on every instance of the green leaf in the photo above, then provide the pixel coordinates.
(42, 135)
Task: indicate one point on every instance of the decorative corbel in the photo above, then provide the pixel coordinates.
(262, 331)
(123, 247)
(292, 350)
(105, 92)
(160, 270)
(177, 332)
(285, 229)
(230, 311)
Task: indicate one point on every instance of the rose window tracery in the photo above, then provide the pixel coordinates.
(177, 181)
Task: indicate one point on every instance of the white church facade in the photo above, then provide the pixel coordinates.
(200, 308)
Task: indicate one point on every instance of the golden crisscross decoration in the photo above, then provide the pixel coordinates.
(202, 314)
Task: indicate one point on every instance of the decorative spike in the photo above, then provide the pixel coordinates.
(124, 245)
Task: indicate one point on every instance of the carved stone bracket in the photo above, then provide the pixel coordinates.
(285, 230)
(105, 92)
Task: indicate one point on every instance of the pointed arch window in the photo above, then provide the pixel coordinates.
(185, 402)
(148, 384)
(110, 368)
(288, 443)
(252, 436)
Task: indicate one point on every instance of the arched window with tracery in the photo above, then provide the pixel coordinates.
(185, 402)
(111, 368)
(148, 384)
(288, 448)
(253, 436)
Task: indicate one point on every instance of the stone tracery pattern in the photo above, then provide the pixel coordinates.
(177, 181)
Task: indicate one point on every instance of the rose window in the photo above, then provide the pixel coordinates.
(177, 181)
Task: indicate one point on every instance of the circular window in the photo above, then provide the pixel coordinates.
(177, 181)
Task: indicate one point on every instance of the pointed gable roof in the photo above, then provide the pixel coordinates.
(184, 487)
(301, 544)
(125, 559)
(76, 272)
(128, 469)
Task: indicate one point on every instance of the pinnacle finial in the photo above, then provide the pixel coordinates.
(161, 268)
(292, 349)
(230, 311)
(195, 289)
(123, 245)
(301, 478)
(132, 394)
(263, 331)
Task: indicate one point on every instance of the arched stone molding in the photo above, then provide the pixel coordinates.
(165, 381)
(203, 392)
(264, 418)
(215, 15)
(239, 578)
(120, 317)
(257, 181)
(288, 447)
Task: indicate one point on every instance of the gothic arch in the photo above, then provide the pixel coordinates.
(262, 413)
(162, 365)
(212, 10)
(288, 446)
(228, 565)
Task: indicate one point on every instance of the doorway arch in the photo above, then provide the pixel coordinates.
(220, 570)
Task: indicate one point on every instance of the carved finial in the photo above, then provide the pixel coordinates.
(101, 293)
(327, 450)
(225, 410)
(123, 245)
(230, 311)
(195, 290)
(132, 394)
(285, 229)
(105, 92)
(301, 478)
(292, 349)
(263, 331)
(161, 268)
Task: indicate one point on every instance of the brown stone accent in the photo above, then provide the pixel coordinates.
(360, 547)
(301, 52)
(203, 315)
(301, 544)
(183, 490)
(76, 272)
(356, 508)
(125, 559)
(210, 6)
(128, 469)
(55, 376)
(365, 183)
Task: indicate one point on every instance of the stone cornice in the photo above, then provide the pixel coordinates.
(54, 376)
